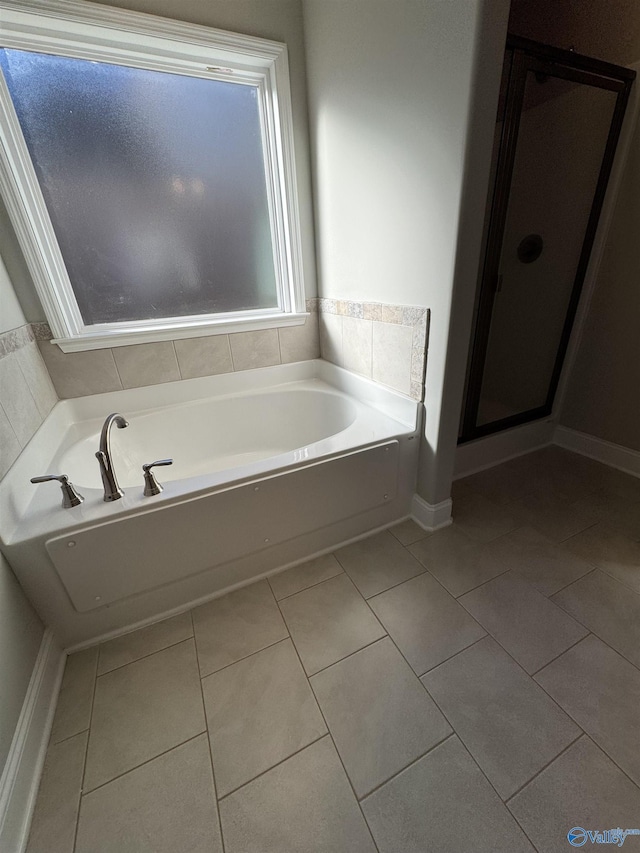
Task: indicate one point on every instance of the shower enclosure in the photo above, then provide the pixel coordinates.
(558, 124)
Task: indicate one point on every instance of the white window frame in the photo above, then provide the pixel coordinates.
(81, 30)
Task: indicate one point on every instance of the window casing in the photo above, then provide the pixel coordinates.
(80, 31)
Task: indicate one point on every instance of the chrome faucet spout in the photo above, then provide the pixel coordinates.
(112, 491)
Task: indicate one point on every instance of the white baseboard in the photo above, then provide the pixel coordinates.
(431, 516)
(474, 456)
(615, 455)
(21, 775)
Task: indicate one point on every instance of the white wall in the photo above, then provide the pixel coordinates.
(397, 137)
(601, 396)
(20, 636)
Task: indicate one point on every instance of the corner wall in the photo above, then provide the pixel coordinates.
(402, 100)
(601, 397)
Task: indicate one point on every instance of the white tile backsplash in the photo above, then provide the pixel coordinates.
(357, 343)
(255, 349)
(26, 393)
(17, 400)
(146, 364)
(331, 338)
(9, 444)
(204, 356)
(300, 343)
(37, 378)
(387, 343)
(75, 374)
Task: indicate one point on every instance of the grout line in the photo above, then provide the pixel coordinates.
(115, 364)
(542, 769)
(455, 654)
(304, 589)
(459, 736)
(507, 809)
(53, 742)
(484, 583)
(272, 767)
(143, 657)
(246, 657)
(423, 571)
(332, 740)
(395, 775)
(144, 763)
(571, 583)
(86, 751)
(175, 354)
(561, 653)
(592, 631)
(346, 657)
(612, 760)
(615, 578)
(210, 750)
(579, 532)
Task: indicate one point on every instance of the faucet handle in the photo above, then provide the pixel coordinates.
(70, 497)
(151, 485)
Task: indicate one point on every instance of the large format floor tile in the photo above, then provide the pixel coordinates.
(543, 564)
(259, 711)
(582, 787)
(304, 805)
(426, 622)
(303, 576)
(501, 484)
(442, 803)
(608, 608)
(145, 641)
(610, 550)
(377, 563)
(73, 712)
(329, 622)
(554, 517)
(54, 820)
(429, 761)
(228, 629)
(379, 714)
(459, 563)
(529, 626)
(480, 518)
(165, 806)
(601, 691)
(143, 709)
(511, 727)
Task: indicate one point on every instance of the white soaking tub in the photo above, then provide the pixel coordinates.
(271, 466)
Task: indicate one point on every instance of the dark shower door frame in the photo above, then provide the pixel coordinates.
(530, 56)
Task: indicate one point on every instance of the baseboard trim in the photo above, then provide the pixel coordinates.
(474, 456)
(615, 455)
(21, 775)
(431, 516)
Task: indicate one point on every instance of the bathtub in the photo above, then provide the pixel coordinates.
(271, 467)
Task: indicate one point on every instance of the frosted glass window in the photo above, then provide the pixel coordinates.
(155, 185)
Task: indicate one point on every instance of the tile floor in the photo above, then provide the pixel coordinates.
(472, 690)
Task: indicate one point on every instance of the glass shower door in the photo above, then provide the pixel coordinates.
(557, 141)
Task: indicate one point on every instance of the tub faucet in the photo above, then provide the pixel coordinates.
(112, 491)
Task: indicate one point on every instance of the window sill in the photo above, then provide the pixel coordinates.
(101, 339)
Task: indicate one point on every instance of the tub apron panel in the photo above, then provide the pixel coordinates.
(103, 564)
